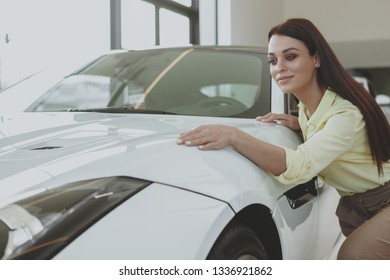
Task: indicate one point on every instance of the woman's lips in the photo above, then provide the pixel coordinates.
(284, 79)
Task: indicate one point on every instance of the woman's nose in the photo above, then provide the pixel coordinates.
(280, 66)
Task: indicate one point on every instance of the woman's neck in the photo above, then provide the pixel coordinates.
(311, 99)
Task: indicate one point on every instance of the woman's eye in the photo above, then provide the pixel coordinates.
(290, 57)
(272, 61)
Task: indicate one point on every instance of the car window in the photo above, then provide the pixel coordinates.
(84, 90)
(204, 82)
(244, 93)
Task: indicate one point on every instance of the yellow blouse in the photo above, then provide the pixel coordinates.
(335, 148)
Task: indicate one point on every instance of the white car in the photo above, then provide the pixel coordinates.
(382, 99)
(91, 168)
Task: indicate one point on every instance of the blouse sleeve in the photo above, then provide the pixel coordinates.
(336, 137)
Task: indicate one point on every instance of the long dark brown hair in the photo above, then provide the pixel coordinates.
(333, 75)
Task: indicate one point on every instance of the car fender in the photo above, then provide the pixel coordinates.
(187, 221)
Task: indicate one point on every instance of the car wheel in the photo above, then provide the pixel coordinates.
(238, 242)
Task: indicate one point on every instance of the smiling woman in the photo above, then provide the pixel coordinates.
(346, 134)
(293, 69)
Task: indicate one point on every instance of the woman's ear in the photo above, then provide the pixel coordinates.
(317, 61)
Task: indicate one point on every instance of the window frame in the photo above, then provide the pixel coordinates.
(191, 12)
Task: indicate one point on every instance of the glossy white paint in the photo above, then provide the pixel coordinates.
(173, 224)
(141, 146)
(91, 145)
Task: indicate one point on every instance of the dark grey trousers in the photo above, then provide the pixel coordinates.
(365, 221)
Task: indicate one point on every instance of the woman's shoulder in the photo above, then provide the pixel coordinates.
(341, 104)
(344, 112)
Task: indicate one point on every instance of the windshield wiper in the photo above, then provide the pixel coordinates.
(119, 110)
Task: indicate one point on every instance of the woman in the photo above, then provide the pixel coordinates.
(347, 137)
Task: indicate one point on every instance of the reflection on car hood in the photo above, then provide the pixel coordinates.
(38, 150)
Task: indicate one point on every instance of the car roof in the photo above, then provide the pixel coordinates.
(254, 49)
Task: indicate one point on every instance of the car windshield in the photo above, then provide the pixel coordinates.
(187, 81)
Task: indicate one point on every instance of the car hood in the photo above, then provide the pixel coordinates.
(38, 150)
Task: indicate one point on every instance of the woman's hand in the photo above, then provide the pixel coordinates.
(213, 137)
(282, 119)
(209, 137)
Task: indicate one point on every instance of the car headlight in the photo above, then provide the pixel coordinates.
(39, 226)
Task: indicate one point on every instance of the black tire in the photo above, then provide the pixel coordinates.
(238, 242)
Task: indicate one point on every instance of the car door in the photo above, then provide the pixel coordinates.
(306, 218)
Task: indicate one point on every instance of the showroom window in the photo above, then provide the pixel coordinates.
(148, 23)
(60, 35)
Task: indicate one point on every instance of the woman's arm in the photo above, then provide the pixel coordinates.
(213, 137)
(289, 121)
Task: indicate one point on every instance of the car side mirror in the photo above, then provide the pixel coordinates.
(302, 194)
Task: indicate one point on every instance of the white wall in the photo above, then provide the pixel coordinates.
(344, 20)
(358, 30)
(338, 20)
(251, 20)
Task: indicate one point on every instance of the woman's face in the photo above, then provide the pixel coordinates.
(291, 65)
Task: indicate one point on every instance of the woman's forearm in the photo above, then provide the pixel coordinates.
(265, 155)
(213, 137)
